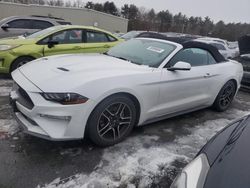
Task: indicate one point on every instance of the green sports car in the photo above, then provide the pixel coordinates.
(67, 39)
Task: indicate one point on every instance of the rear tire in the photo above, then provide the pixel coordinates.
(112, 120)
(225, 97)
(20, 61)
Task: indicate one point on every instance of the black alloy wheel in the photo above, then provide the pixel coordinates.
(112, 120)
(225, 96)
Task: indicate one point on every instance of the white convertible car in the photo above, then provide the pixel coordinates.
(103, 96)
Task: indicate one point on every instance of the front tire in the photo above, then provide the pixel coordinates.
(112, 120)
(225, 97)
(20, 62)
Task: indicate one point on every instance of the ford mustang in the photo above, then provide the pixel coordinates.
(103, 96)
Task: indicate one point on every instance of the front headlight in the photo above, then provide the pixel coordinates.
(194, 174)
(65, 98)
(4, 47)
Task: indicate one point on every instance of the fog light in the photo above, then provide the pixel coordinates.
(64, 118)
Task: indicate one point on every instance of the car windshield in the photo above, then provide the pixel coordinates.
(142, 51)
(42, 33)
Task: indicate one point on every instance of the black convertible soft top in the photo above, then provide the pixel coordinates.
(187, 42)
(213, 50)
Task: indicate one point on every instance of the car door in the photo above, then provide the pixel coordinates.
(64, 42)
(18, 27)
(181, 91)
(98, 42)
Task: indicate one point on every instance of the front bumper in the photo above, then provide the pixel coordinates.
(46, 119)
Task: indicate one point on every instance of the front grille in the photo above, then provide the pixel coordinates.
(24, 98)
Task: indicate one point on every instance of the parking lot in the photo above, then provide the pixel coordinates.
(150, 157)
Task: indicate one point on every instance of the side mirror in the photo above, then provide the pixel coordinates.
(52, 43)
(180, 66)
(5, 26)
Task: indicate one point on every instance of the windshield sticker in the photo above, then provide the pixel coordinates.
(155, 49)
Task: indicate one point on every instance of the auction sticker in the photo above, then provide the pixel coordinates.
(155, 49)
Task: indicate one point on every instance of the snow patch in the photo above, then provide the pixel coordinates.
(8, 126)
(138, 160)
(4, 91)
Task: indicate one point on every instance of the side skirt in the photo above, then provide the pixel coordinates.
(172, 115)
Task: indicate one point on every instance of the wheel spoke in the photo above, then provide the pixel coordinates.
(116, 132)
(107, 113)
(125, 122)
(104, 127)
(104, 115)
(108, 128)
(120, 109)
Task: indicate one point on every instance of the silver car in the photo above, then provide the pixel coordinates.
(20, 25)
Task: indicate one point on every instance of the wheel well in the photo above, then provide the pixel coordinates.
(132, 97)
(137, 105)
(235, 83)
(27, 56)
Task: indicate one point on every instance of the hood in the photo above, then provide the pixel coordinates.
(20, 40)
(66, 72)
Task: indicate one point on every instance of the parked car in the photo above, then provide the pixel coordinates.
(244, 59)
(222, 162)
(65, 39)
(223, 49)
(151, 34)
(232, 46)
(130, 35)
(118, 34)
(244, 45)
(144, 34)
(20, 25)
(135, 83)
(224, 42)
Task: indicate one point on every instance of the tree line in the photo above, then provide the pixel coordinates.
(164, 21)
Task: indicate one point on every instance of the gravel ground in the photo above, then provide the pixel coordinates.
(150, 157)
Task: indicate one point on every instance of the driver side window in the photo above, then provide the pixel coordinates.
(66, 37)
(193, 56)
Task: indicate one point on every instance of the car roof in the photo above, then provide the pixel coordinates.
(80, 27)
(35, 17)
(53, 20)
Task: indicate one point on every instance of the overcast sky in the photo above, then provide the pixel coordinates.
(226, 10)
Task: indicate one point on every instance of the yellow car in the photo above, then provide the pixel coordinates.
(67, 39)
